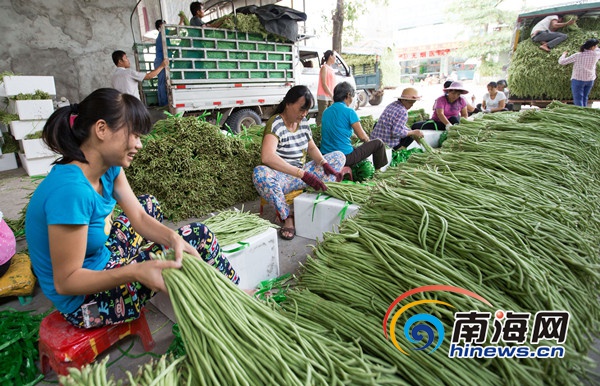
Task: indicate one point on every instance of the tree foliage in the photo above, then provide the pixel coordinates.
(487, 29)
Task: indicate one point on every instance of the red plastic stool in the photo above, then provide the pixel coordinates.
(63, 345)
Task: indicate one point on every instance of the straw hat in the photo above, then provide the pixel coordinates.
(410, 94)
(458, 86)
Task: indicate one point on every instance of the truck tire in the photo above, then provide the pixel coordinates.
(375, 99)
(362, 98)
(243, 117)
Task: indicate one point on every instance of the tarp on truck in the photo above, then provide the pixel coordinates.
(276, 19)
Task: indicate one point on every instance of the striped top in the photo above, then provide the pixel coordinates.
(291, 147)
(584, 64)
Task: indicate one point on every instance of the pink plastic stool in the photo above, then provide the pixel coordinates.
(63, 345)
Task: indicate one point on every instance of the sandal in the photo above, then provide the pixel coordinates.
(287, 233)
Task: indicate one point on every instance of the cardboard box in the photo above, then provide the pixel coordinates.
(37, 166)
(257, 260)
(35, 148)
(8, 161)
(17, 84)
(20, 129)
(31, 109)
(314, 216)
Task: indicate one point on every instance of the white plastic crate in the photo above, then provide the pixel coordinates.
(8, 161)
(20, 129)
(314, 216)
(37, 166)
(31, 109)
(432, 137)
(35, 148)
(257, 260)
(17, 84)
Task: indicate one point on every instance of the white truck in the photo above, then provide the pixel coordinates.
(237, 77)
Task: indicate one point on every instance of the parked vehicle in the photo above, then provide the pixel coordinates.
(367, 75)
(237, 77)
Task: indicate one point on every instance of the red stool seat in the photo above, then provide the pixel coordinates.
(347, 170)
(63, 345)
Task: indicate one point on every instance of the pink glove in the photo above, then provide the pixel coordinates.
(313, 181)
(329, 171)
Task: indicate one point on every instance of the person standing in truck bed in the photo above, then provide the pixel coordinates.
(584, 70)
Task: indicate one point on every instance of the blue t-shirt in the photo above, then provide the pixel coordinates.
(66, 197)
(336, 128)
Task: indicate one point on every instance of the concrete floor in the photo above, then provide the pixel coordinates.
(15, 187)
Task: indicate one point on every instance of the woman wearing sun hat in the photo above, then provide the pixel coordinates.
(391, 125)
(447, 110)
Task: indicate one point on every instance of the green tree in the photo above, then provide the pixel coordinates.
(487, 32)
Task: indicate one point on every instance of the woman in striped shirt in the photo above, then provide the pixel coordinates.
(584, 70)
(286, 143)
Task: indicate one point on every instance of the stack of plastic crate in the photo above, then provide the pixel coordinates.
(35, 156)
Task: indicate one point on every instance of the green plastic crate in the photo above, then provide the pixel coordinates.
(255, 37)
(207, 64)
(282, 48)
(265, 47)
(205, 44)
(225, 45)
(258, 56)
(275, 56)
(217, 34)
(258, 75)
(248, 65)
(194, 32)
(182, 64)
(218, 75)
(247, 46)
(238, 55)
(239, 74)
(216, 55)
(232, 35)
(228, 65)
(277, 74)
(195, 75)
(267, 66)
(284, 66)
(176, 75)
(192, 54)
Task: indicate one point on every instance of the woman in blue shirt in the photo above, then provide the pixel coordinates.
(95, 269)
(339, 122)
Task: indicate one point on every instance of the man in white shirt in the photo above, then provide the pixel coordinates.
(545, 32)
(127, 80)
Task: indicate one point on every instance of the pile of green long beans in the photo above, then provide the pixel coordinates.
(507, 208)
(232, 339)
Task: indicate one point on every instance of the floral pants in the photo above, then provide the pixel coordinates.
(124, 303)
(273, 185)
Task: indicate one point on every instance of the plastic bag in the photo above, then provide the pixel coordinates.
(8, 244)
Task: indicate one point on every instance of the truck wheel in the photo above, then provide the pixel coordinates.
(376, 99)
(243, 117)
(362, 98)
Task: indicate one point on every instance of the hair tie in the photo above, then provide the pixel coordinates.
(74, 112)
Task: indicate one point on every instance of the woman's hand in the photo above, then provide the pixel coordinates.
(150, 273)
(329, 171)
(179, 245)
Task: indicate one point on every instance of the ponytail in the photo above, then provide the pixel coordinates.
(326, 56)
(70, 126)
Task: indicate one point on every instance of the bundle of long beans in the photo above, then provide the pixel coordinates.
(507, 208)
